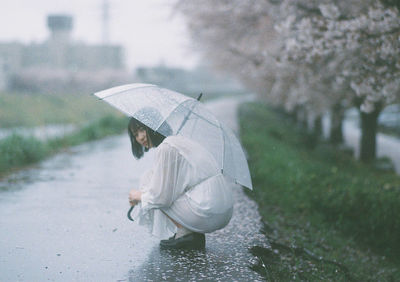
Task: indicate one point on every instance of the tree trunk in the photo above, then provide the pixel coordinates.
(302, 118)
(317, 128)
(336, 130)
(293, 114)
(368, 135)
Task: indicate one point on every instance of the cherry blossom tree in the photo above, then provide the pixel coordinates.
(308, 54)
(367, 45)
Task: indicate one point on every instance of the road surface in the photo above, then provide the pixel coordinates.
(65, 220)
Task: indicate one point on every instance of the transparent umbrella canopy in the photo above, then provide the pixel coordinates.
(172, 113)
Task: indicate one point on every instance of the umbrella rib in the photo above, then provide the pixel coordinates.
(123, 91)
(199, 116)
(188, 115)
(186, 119)
(193, 113)
(194, 126)
(169, 114)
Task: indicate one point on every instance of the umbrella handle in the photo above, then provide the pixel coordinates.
(129, 213)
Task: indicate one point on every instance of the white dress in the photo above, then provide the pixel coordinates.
(186, 184)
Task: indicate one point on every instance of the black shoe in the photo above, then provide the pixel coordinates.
(190, 241)
(170, 238)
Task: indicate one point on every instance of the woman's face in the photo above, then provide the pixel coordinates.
(141, 138)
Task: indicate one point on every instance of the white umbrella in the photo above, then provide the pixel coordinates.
(185, 116)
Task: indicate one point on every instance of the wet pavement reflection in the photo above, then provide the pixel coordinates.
(65, 219)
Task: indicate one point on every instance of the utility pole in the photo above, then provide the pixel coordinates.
(105, 21)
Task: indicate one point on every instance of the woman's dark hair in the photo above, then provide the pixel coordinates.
(155, 137)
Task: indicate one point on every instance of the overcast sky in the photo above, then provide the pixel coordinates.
(148, 29)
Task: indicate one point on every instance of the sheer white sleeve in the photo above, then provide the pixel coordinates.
(170, 177)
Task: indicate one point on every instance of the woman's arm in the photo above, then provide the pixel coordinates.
(169, 179)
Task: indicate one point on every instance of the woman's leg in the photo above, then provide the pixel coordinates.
(182, 231)
(176, 223)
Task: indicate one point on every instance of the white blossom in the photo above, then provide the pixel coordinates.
(329, 11)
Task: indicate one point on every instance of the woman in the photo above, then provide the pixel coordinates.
(184, 192)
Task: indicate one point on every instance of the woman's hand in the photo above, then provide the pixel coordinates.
(134, 197)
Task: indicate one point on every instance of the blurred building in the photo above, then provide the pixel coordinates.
(191, 82)
(60, 62)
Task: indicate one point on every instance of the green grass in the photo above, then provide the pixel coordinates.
(314, 195)
(17, 151)
(34, 109)
(105, 126)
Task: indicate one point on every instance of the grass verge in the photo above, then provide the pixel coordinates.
(35, 109)
(17, 151)
(316, 200)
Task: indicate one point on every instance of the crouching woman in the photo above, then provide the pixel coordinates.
(184, 195)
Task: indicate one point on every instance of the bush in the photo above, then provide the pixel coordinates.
(103, 127)
(16, 150)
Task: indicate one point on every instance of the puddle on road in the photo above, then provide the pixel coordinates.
(215, 263)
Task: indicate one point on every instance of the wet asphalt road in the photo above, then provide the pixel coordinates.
(65, 220)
